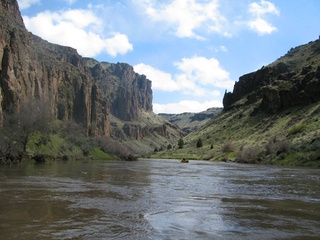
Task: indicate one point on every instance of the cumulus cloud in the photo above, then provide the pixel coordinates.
(77, 28)
(197, 76)
(187, 17)
(204, 72)
(263, 8)
(24, 4)
(160, 80)
(119, 44)
(261, 26)
(185, 106)
(258, 11)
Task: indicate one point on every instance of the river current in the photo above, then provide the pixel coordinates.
(158, 199)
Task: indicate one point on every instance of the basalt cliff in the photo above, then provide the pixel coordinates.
(109, 100)
(292, 80)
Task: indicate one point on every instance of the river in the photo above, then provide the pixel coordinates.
(158, 199)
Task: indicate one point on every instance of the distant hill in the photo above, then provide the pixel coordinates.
(189, 122)
(272, 116)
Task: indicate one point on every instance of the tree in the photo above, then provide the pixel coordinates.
(180, 143)
(18, 125)
(199, 143)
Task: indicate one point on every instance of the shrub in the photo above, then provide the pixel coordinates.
(277, 147)
(283, 146)
(169, 146)
(110, 146)
(210, 155)
(248, 155)
(44, 139)
(18, 125)
(199, 143)
(271, 146)
(296, 129)
(228, 147)
(180, 143)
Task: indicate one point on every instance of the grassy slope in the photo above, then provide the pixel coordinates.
(153, 139)
(65, 143)
(298, 128)
(58, 147)
(291, 137)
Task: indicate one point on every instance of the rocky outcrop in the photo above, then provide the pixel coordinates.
(137, 132)
(130, 91)
(32, 68)
(77, 88)
(292, 80)
(126, 90)
(12, 8)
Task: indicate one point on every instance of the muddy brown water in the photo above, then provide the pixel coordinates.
(158, 199)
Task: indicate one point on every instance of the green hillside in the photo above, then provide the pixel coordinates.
(272, 116)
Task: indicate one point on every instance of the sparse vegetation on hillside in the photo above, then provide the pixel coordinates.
(17, 128)
(271, 117)
(290, 138)
(189, 122)
(31, 133)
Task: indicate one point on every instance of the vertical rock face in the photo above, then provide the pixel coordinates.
(12, 7)
(127, 91)
(134, 93)
(76, 88)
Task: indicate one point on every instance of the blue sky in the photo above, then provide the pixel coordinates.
(191, 50)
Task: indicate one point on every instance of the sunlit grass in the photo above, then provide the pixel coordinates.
(298, 128)
(99, 155)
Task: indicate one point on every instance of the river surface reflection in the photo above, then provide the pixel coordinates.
(158, 199)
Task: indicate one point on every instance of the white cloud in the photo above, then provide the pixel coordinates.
(258, 23)
(204, 72)
(215, 93)
(189, 86)
(77, 28)
(263, 8)
(185, 106)
(187, 16)
(119, 44)
(196, 76)
(160, 80)
(24, 4)
(261, 26)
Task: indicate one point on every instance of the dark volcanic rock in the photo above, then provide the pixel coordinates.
(77, 88)
(292, 80)
(134, 93)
